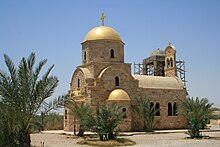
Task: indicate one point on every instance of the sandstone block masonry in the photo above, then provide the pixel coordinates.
(103, 72)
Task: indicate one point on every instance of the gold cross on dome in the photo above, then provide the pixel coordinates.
(102, 18)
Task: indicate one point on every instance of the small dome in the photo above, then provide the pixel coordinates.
(158, 52)
(118, 94)
(102, 32)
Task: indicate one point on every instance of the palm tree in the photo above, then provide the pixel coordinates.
(22, 92)
(197, 112)
(7, 135)
(147, 113)
(103, 121)
(106, 120)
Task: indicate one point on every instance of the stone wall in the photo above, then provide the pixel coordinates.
(100, 50)
(125, 124)
(69, 121)
(78, 75)
(99, 88)
(163, 97)
(99, 82)
(106, 82)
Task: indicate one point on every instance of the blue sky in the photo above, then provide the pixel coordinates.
(54, 29)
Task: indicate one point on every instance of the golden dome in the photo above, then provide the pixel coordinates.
(102, 32)
(118, 94)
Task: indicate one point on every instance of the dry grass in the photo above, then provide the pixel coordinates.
(117, 142)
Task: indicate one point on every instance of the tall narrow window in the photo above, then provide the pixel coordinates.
(152, 107)
(116, 81)
(65, 114)
(157, 108)
(78, 84)
(168, 63)
(112, 53)
(174, 109)
(170, 112)
(124, 111)
(84, 56)
(171, 62)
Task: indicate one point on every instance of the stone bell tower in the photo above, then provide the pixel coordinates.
(170, 61)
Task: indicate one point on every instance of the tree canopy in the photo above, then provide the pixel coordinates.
(23, 90)
(198, 112)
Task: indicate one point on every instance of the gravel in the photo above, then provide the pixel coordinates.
(176, 140)
(149, 140)
(53, 140)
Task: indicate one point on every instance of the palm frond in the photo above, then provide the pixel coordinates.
(23, 92)
(198, 112)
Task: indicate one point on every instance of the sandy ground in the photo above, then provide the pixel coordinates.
(144, 140)
(53, 140)
(176, 140)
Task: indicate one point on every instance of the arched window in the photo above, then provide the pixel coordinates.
(112, 53)
(170, 113)
(124, 111)
(116, 81)
(65, 114)
(168, 63)
(174, 109)
(157, 108)
(171, 62)
(78, 83)
(152, 107)
(84, 56)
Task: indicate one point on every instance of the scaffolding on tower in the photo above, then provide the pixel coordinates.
(181, 71)
(151, 70)
(138, 69)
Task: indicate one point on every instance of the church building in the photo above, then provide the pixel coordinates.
(103, 76)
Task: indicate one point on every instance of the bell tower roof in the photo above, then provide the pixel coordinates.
(170, 46)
